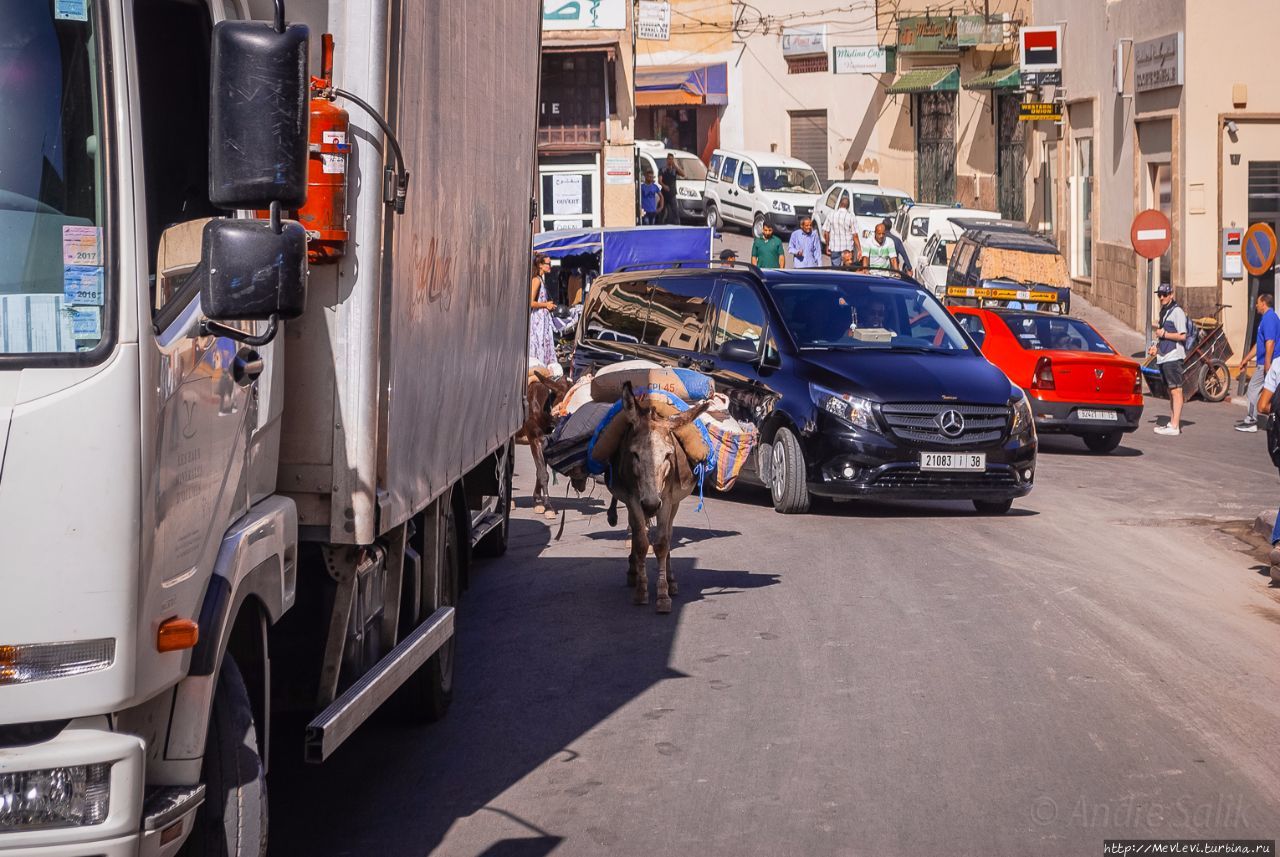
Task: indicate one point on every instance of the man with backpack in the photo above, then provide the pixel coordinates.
(1174, 334)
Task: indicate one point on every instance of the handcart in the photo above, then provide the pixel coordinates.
(1205, 371)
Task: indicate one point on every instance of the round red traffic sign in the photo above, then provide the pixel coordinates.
(1259, 249)
(1150, 234)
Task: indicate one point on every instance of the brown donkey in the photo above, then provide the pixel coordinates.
(541, 393)
(651, 474)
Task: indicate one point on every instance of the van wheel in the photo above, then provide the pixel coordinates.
(232, 821)
(757, 226)
(713, 216)
(1103, 443)
(787, 474)
(993, 507)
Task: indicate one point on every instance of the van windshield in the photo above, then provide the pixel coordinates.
(876, 206)
(693, 169)
(789, 180)
(848, 312)
(52, 275)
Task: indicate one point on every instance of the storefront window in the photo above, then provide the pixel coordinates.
(1082, 213)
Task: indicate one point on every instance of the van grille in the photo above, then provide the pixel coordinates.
(922, 423)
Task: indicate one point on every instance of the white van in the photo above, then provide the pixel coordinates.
(746, 187)
(927, 233)
(653, 156)
(869, 203)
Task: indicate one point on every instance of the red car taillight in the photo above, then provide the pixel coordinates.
(1137, 383)
(1043, 377)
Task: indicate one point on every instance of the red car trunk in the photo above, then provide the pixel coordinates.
(1083, 377)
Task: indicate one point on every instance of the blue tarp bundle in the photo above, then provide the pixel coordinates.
(629, 246)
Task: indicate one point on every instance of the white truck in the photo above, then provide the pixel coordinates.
(216, 504)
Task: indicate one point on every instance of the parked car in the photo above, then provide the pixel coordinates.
(746, 187)
(869, 203)
(1001, 263)
(917, 223)
(653, 156)
(1076, 380)
(860, 383)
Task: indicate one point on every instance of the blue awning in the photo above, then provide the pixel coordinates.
(674, 86)
(629, 246)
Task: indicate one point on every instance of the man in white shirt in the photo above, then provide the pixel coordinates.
(841, 233)
(1170, 354)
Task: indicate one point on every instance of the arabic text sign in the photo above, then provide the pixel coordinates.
(653, 20)
(584, 15)
(566, 193)
(1157, 63)
(928, 35)
(858, 59)
(804, 41)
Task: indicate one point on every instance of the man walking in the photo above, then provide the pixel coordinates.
(1264, 347)
(1171, 333)
(880, 252)
(650, 200)
(841, 232)
(904, 263)
(767, 251)
(805, 245)
(670, 174)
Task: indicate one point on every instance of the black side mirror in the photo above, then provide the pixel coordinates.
(258, 115)
(750, 188)
(919, 230)
(741, 350)
(251, 272)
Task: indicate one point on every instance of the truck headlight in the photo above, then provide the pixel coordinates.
(76, 796)
(28, 662)
(854, 410)
(784, 207)
(1023, 421)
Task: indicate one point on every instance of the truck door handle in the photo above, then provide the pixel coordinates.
(247, 367)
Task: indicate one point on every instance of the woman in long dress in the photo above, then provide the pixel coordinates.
(542, 348)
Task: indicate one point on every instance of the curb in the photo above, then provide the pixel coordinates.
(1265, 523)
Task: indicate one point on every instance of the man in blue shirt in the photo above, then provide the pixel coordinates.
(651, 201)
(805, 245)
(1264, 348)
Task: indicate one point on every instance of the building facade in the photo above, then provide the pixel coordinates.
(586, 128)
(1169, 104)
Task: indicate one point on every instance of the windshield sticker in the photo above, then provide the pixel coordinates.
(86, 321)
(33, 323)
(82, 285)
(81, 245)
(71, 10)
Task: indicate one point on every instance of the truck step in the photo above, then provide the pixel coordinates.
(336, 723)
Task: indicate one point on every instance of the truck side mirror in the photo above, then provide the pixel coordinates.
(258, 115)
(251, 272)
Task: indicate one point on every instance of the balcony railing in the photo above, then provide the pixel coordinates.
(571, 135)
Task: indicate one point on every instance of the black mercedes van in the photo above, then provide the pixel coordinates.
(861, 383)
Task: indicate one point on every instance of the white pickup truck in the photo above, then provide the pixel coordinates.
(232, 481)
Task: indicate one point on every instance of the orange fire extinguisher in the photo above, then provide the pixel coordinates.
(324, 215)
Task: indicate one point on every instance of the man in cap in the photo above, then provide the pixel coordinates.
(1170, 354)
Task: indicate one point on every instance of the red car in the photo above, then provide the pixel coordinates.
(1075, 380)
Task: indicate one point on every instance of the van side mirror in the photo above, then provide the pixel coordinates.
(741, 350)
(919, 230)
(750, 188)
(258, 115)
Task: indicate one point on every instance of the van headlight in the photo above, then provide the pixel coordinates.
(74, 796)
(854, 410)
(1023, 421)
(784, 207)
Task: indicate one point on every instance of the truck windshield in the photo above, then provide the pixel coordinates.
(52, 209)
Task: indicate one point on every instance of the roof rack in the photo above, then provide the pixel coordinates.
(681, 263)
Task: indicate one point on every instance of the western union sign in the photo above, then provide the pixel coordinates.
(1039, 111)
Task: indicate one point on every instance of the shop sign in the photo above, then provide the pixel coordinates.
(619, 169)
(927, 35)
(804, 41)
(1157, 63)
(1040, 111)
(653, 20)
(862, 59)
(584, 15)
(566, 193)
(974, 30)
(1040, 49)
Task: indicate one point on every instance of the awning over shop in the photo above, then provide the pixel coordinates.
(670, 86)
(579, 46)
(944, 79)
(997, 78)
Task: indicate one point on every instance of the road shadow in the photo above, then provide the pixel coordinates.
(1074, 446)
(680, 536)
(542, 659)
(873, 507)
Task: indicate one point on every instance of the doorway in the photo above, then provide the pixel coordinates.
(569, 191)
(1011, 158)
(935, 147)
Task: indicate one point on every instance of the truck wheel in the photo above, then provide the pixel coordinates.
(1103, 443)
(993, 507)
(787, 474)
(1215, 382)
(429, 692)
(494, 544)
(232, 821)
(713, 216)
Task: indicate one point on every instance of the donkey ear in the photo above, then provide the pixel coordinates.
(629, 405)
(686, 417)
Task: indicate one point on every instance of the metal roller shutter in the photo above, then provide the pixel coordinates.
(809, 139)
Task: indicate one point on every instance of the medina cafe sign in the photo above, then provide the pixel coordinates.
(862, 59)
(1157, 63)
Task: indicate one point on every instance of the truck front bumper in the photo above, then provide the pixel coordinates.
(119, 833)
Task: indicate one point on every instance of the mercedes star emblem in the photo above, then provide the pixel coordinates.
(951, 423)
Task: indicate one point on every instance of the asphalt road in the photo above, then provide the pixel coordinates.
(870, 679)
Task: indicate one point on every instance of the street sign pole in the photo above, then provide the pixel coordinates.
(1151, 297)
(1150, 236)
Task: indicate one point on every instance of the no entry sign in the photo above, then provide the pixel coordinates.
(1259, 249)
(1150, 234)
